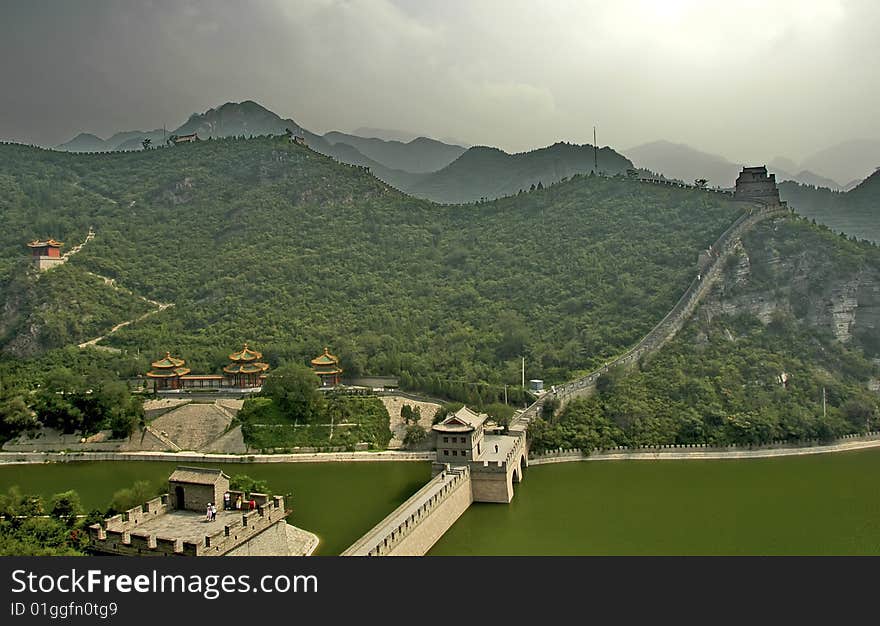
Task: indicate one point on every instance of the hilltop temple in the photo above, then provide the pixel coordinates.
(326, 366)
(46, 253)
(245, 371)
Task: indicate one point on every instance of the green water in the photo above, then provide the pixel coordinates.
(821, 504)
(337, 501)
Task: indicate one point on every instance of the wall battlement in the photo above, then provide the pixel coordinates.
(415, 525)
(142, 531)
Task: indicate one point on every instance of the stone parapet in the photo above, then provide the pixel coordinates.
(415, 525)
(129, 533)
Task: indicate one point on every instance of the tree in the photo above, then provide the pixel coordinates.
(294, 389)
(410, 414)
(415, 434)
(131, 497)
(146, 143)
(16, 417)
(700, 183)
(243, 482)
(500, 413)
(65, 506)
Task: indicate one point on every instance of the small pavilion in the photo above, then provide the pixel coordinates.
(326, 366)
(245, 370)
(167, 371)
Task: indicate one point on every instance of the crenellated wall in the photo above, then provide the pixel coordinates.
(129, 533)
(710, 271)
(418, 523)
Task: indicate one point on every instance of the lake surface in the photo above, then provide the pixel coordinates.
(820, 504)
(339, 502)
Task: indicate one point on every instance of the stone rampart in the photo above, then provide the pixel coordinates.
(13, 458)
(675, 319)
(705, 451)
(128, 534)
(418, 523)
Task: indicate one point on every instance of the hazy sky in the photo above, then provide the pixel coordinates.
(746, 79)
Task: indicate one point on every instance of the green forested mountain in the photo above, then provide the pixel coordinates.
(489, 173)
(794, 320)
(420, 155)
(855, 212)
(272, 243)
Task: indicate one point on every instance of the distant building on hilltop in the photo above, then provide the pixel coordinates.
(186, 138)
(754, 184)
(46, 253)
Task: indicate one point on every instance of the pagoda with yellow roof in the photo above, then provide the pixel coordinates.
(327, 368)
(167, 371)
(245, 370)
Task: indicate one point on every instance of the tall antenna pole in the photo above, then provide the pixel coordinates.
(524, 372)
(595, 152)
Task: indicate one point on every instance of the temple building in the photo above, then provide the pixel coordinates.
(754, 184)
(326, 366)
(46, 253)
(245, 370)
(167, 372)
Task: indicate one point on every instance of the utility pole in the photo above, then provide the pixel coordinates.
(505, 394)
(595, 153)
(824, 412)
(524, 372)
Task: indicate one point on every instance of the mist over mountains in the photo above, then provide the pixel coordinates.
(450, 172)
(839, 167)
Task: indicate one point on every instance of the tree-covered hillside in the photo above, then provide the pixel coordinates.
(794, 320)
(269, 242)
(489, 173)
(855, 212)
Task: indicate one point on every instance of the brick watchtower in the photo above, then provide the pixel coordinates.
(46, 253)
(754, 184)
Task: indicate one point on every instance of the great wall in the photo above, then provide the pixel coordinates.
(414, 527)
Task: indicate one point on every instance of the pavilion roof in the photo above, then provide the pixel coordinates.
(326, 358)
(246, 368)
(169, 373)
(245, 354)
(463, 420)
(196, 475)
(167, 362)
(42, 243)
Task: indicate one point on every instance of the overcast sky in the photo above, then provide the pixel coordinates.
(748, 79)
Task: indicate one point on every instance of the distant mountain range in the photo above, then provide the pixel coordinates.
(855, 212)
(420, 166)
(677, 160)
(489, 173)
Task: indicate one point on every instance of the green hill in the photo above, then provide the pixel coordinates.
(489, 173)
(272, 243)
(793, 321)
(855, 212)
(420, 155)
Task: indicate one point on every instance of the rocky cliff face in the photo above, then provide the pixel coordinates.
(810, 274)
